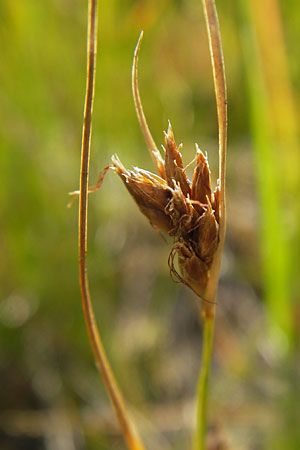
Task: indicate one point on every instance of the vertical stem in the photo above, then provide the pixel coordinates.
(109, 381)
(217, 62)
(202, 389)
(208, 309)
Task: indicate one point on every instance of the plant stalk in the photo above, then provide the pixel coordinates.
(130, 435)
(208, 307)
(217, 62)
(202, 389)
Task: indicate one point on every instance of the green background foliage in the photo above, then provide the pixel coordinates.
(50, 393)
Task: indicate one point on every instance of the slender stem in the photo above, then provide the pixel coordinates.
(202, 390)
(110, 383)
(156, 156)
(217, 61)
(208, 309)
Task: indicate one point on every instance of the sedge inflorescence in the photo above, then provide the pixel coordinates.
(186, 210)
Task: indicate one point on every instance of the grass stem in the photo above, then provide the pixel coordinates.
(208, 308)
(130, 436)
(202, 390)
(217, 62)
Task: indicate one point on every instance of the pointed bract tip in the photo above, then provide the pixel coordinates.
(117, 165)
(115, 158)
(138, 44)
(200, 152)
(170, 130)
(169, 136)
(140, 38)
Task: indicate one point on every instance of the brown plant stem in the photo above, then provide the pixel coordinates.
(130, 436)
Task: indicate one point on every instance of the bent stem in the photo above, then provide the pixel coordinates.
(130, 436)
(202, 389)
(208, 308)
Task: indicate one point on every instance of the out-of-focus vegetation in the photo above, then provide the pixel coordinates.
(50, 394)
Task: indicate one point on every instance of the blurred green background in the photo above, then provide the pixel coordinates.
(50, 393)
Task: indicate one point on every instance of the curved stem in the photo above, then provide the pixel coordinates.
(156, 156)
(110, 383)
(202, 389)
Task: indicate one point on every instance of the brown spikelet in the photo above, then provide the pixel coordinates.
(194, 270)
(207, 238)
(201, 189)
(150, 192)
(186, 210)
(173, 164)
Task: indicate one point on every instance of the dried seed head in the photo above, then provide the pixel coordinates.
(186, 210)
